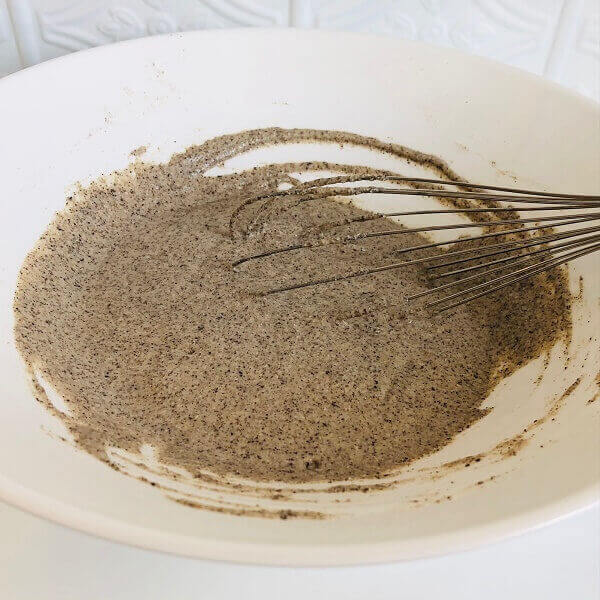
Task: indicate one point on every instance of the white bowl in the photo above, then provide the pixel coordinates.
(74, 118)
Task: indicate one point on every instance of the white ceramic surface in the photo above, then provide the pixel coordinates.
(72, 119)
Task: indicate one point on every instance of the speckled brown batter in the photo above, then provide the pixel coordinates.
(129, 306)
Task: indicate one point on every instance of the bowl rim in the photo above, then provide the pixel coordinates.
(305, 555)
(306, 33)
(120, 531)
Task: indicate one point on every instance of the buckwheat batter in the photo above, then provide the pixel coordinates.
(130, 308)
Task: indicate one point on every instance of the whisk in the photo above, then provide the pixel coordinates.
(470, 267)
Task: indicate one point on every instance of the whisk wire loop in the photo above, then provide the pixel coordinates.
(546, 251)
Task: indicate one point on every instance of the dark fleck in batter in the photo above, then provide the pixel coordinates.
(128, 305)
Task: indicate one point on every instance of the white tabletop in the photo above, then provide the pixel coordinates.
(45, 561)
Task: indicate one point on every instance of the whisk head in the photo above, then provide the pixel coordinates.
(511, 249)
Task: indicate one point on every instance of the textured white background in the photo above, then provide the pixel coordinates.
(556, 38)
(559, 39)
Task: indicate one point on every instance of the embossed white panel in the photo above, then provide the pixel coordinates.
(9, 54)
(517, 32)
(50, 28)
(556, 38)
(582, 57)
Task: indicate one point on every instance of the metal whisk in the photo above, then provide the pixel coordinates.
(471, 267)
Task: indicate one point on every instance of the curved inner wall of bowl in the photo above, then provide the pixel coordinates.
(537, 449)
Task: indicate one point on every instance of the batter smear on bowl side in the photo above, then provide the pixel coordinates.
(130, 309)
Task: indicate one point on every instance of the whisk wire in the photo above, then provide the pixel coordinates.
(557, 248)
(517, 260)
(511, 246)
(567, 244)
(528, 272)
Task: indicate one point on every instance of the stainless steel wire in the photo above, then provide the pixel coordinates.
(474, 267)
